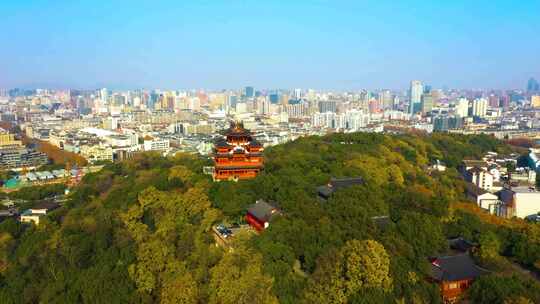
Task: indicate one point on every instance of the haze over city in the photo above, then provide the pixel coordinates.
(344, 45)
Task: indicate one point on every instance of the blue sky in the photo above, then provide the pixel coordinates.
(269, 44)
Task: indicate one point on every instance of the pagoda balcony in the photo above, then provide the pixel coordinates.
(229, 154)
(256, 164)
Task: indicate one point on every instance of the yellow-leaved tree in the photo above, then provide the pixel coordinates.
(356, 266)
(158, 224)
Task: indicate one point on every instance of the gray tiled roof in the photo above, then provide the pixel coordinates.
(455, 268)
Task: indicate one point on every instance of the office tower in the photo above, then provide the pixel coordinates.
(327, 106)
(232, 100)
(119, 100)
(480, 107)
(535, 101)
(462, 107)
(274, 98)
(427, 102)
(505, 101)
(262, 106)
(104, 94)
(152, 100)
(385, 99)
(415, 96)
(395, 102)
(494, 101)
(297, 93)
(533, 85)
(249, 92)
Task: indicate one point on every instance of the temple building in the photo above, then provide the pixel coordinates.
(238, 155)
(454, 275)
(261, 214)
(326, 191)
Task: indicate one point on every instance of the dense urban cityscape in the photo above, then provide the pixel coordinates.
(107, 125)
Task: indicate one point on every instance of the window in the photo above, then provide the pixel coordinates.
(452, 286)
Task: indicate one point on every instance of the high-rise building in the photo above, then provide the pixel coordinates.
(535, 101)
(104, 94)
(415, 93)
(249, 92)
(152, 100)
(505, 101)
(462, 107)
(297, 93)
(385, 99)
(274, 98)
(533, 85)
(480, 107)
(494, 101)
(427, 102)
(327, 106)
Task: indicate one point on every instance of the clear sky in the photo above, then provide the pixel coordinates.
(329, 44)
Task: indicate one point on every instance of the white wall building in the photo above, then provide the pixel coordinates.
(480, 107)
(481, 178)
(156, 145)
(462, 107)
(520, 202)
(352, 120)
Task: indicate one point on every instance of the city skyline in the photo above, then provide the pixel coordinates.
(338, 45)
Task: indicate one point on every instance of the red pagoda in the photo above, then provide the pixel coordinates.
(238, 155)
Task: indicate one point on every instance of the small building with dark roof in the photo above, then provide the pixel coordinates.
(39, 210)
(454, 275)
(325, 192)
(260, 214)
(461, 245)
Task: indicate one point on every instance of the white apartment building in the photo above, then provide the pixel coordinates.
(481, 178)
(156, 145)
(462, 107)
(351, 120)
(480, 107)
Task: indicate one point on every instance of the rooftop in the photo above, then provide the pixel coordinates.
(47, 205)
(524, 189)
(262, 210)
(455, 268)
(475, 163)
(460, 244)
(335, 184)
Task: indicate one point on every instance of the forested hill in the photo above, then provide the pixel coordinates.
(139, 230)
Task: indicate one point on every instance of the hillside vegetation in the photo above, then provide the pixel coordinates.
(139, 230)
